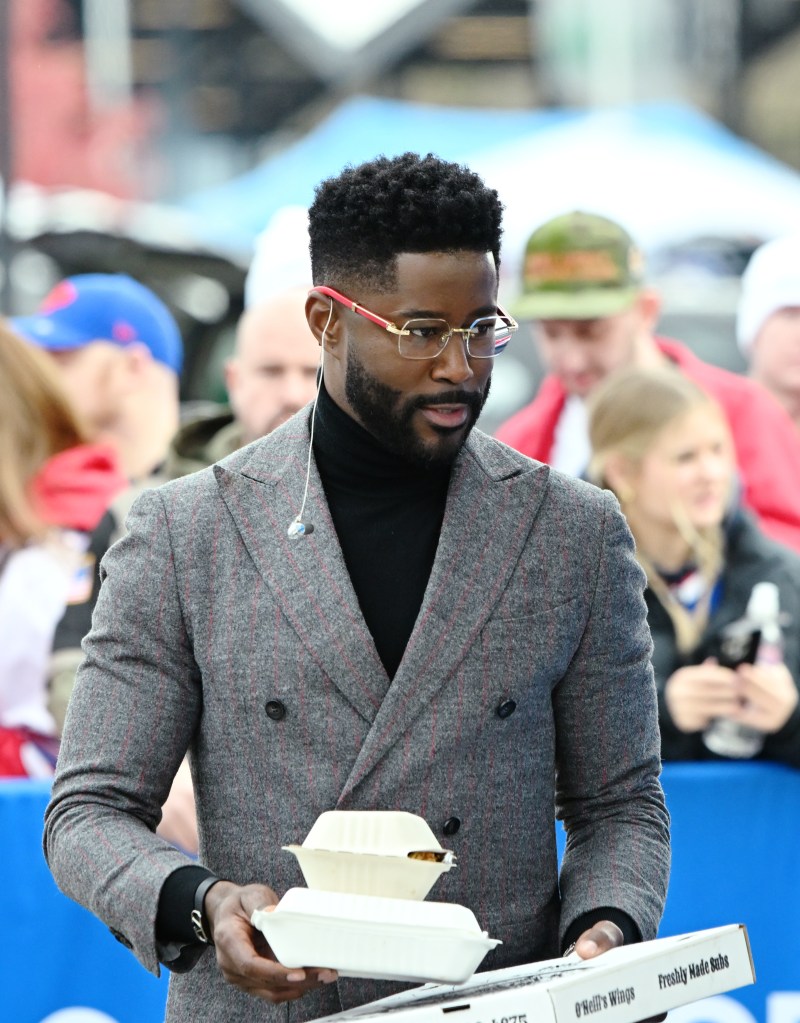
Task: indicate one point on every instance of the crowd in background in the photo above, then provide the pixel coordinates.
(705, 465)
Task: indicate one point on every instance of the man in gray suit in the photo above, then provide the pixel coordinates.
(394, 612)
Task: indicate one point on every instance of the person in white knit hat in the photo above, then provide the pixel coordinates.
(768, 320)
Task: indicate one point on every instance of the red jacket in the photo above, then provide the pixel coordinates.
(766, 440)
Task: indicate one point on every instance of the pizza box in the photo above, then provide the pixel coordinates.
(624, 985)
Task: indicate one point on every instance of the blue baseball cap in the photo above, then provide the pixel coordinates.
(104, 307)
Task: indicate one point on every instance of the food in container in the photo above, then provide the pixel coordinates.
(387, 853)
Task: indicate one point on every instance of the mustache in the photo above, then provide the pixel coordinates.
(472, 399)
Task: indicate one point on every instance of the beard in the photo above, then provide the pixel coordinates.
(383, 413)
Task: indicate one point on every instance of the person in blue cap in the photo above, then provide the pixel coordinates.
(119, 351)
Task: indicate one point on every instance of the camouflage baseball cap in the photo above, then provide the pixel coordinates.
(577, 267)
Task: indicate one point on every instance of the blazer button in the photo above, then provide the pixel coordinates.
(506, 708)
(275, 710)
(451, 826)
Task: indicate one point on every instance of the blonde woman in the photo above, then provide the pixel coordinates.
(54, 492)
(664, 447)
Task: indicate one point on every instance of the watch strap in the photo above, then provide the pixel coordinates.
(198, 917)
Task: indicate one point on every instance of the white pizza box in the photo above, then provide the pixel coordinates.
(372, 852)
(624, 985)
(372, 937)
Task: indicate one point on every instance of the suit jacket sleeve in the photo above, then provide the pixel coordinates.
(137, 700)
(608, 792)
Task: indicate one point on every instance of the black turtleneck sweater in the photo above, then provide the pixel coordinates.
(388, 515)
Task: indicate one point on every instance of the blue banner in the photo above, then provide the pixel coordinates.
(54, 955)
(736, 859)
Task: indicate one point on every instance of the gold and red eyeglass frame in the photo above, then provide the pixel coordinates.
(381, 321)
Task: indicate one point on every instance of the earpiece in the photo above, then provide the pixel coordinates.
(297, 527)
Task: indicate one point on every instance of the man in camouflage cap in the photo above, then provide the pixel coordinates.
(580, 265)
(584, 292)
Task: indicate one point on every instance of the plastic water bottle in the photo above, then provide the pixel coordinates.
(730, 738)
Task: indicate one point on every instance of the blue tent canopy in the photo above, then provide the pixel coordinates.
(362, 128)
(662, 169)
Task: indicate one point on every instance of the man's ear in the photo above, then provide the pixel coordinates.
(323, 318)
(230, 371)
(649, 305)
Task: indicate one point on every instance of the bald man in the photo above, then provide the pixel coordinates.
(271, 375)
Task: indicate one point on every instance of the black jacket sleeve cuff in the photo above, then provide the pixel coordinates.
(630, 931)
(175, 905)
(179, 958)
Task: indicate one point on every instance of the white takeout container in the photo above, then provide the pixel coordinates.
(366, 852)
(375, 938)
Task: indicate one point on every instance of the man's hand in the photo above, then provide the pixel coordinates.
(243, 954)
(698, 694)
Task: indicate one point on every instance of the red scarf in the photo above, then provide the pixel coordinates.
(74, 488)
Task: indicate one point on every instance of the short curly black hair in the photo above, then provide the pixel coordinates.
(363, 219)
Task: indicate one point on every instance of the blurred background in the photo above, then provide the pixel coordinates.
(163, 137)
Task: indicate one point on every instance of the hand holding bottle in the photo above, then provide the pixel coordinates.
(741, 734)
(767, 696)
(700, 693)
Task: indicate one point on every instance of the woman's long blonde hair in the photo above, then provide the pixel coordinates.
(36, 422)
(627, 412)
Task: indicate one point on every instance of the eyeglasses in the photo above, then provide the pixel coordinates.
(425, 338)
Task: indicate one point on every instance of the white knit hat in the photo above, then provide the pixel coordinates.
(770, 282)
(281, 260)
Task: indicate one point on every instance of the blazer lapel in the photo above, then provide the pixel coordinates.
(491, 506)
(263, 492)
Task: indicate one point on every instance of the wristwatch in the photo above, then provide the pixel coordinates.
(198, 916)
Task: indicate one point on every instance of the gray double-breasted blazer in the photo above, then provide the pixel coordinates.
(214, 632)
